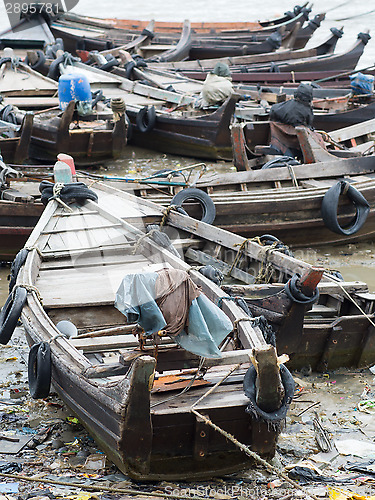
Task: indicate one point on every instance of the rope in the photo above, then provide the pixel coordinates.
(166, 213)
(31, 288)
(292, 175)
(237, 257)
(253, 455)
(57, 336)
(236, 321)
(327, 138)
(87, 487)
(355, 303)
(143, 237)
(265, 271)
(211, 390)
(185, 389)
(38, 250)
(57, 188)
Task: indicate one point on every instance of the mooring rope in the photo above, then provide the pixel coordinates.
(31, 288)
(252, 454)
(355, 303)
(99, 489)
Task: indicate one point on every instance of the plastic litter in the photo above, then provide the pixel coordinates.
(9, 487)
(355, 447)
(338, 494)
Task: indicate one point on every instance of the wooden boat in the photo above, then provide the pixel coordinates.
(93, 138)
(30, 32)
(345, 61)
(288, 22)
(78, 36)
(104, 376)
(286, 201)
(177, 127)
(88, 34)
(89, 140)
(20, 209)
(15, 140)
(355, 111)
(336, 332)
(318, 341)
(326, 79)
(197, 66)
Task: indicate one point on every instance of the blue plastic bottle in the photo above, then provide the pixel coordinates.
(74, 87)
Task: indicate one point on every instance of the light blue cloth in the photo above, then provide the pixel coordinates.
(208, 324)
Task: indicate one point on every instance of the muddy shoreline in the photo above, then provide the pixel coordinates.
(59, 449)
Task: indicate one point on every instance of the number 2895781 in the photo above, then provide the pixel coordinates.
(36, 8)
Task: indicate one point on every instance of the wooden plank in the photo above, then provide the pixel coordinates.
(325, 287)
(353, 131)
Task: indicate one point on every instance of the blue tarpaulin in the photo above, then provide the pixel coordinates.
(207, 324)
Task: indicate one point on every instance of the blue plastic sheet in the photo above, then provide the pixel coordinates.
(362, 84)
(208, 324)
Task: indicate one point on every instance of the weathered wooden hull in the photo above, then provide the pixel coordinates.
(17, 220)
(205, 136)
(171, 459)
(333, 333)
(286, 21)
(87, 145)
(200, 69)
(133, 427)
(16, 149)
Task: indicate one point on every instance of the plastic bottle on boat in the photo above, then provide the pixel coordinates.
(70, 162)
(62, 172)
(75, 87)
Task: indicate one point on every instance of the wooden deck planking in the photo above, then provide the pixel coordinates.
(71, 290)
(226, 395)
(125, 208)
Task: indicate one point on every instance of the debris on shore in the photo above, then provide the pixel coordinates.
(327, 446)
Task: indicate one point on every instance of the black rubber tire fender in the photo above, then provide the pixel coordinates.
(330, 206)
(7, 114)
(54, 71)
(17, 263)
(96, 96)
(40, 62)
(268, 239)
(129, 66)
(295, 294)
(39, 370)
(146, 118)
(249, 387)
(109, 64)
(208, 206)
(10, 313)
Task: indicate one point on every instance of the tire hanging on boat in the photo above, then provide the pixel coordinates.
(17, 263)
(330, 205)
(250, 390)
(39, 62)
(39, 370)
(54, 70)
(146, 118)
(295, 294)
(208, 206)
(10, 313)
